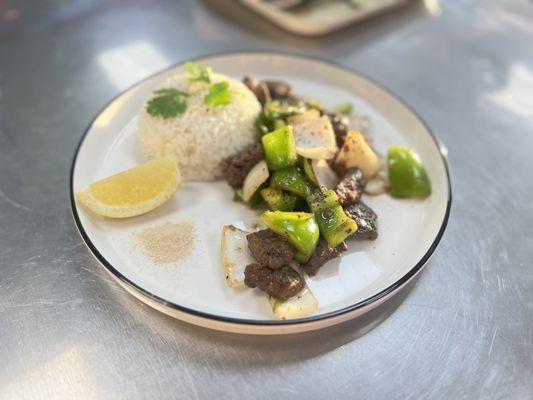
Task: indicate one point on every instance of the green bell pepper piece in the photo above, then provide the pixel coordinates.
(309, 171)
(280, 148)
(279, 200)
(284, 107)
(299, 228)
(321, 199)
(279, 123)
(293, 180)
(264, 123)
(407, 176)
(334, 224)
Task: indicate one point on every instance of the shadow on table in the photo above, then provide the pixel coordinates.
(273, 348)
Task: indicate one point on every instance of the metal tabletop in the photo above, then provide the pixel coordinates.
(463, 331)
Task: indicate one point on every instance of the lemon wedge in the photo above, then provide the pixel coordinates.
(135, 191)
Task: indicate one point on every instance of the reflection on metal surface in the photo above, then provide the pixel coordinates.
(125, 65)
(72, 380)
(516, 96)
(433, 7)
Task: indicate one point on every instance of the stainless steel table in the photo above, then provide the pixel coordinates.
(465, 330)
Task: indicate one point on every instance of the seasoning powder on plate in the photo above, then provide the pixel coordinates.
(167, 243)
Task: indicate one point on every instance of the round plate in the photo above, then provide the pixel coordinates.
(194, 289)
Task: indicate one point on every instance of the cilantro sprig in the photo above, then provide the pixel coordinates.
(197, 73)
(170, 102)
(218, 95)
(167, 103)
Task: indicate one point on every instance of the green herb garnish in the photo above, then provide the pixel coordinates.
(345, 108)
(197, 73)
(167, 103)
(219, 95)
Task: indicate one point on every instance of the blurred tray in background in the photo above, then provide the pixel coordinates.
(318, 17)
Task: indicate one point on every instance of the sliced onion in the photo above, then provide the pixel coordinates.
(356, 152)
(299, 306)
(376, 186)
(312, 113)
(255, 178)
(315, 138)
(324, 175)
(235, 255)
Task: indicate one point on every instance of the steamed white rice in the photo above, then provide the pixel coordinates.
(203, 137)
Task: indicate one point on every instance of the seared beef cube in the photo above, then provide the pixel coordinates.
(280, 283)
(259, 89)
(351, 187)
(340, 124)
(366, 218)
(323, 253)
(269, 249)
(279, 90)
(240, 165)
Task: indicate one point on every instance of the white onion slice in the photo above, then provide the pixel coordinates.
(255, 178)
(324, 175)
(299, 306)
(235, 255)
(376, 186)
(312, 113)
(314, 138)
(356, 152)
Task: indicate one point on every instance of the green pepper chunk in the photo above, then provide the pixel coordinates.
(279, 123)
(280, 148)
(279, 200)
(293, 180)
(407, 175)
(309, 171)
(321, 199)
(263, 123)
(285, 107)
(299, 228)
(334, 224)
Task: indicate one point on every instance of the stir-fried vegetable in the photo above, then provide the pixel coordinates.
(255, 178)
(293, 180)
(280, 148)
(301, 305)
(324, 175)
(314, 137)
(311, 113)
(308, 170)
(285, 107)
(276, 112)
(357, 153)
(299, 228)
(235, 255)
(407, 176)
(344, 108)
(335, 225)
(278, 200)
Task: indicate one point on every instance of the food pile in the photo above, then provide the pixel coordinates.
(303, 166)
(310, 171)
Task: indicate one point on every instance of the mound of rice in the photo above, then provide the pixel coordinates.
(203, 137)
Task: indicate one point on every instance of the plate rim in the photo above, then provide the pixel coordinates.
(394, 287)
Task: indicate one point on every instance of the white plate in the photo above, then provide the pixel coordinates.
(194, 290)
